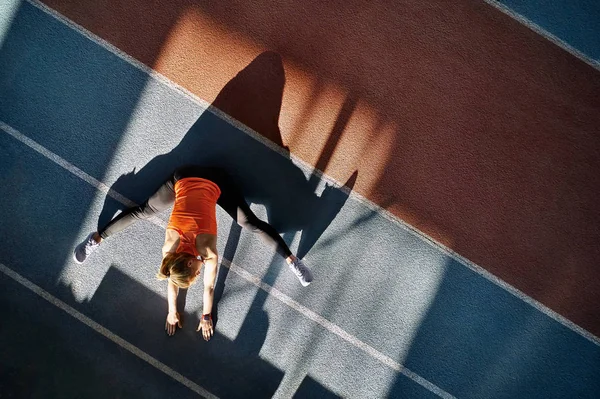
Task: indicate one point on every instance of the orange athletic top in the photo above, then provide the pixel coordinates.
(194, 212)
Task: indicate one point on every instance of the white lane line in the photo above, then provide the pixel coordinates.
(105, 332)
(74, 170)
(545, 34)
(329, 180)
(334, 328)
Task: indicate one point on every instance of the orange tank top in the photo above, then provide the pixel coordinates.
(194, 211)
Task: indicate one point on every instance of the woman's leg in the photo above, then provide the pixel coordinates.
(158, 202)
(232, 201)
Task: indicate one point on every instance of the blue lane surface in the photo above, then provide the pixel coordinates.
(576, 22)
(375, 280)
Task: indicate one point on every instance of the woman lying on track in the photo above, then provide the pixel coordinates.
(191, 235)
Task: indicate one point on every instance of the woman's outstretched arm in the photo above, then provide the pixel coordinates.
(210, 276)
(173, 318)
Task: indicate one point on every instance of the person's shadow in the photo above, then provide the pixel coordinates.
(267, 177)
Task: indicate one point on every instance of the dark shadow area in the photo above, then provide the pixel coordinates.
(470, 346)
(265, 176)
(46, 353)
(310, 388)
(225, 368)
(254, 96)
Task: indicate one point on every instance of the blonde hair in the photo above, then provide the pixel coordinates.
(174, 267)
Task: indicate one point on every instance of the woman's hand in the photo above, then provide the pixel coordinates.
(206, 326)
(173, 321)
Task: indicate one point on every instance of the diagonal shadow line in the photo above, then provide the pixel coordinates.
(324, 214)
(336, 134)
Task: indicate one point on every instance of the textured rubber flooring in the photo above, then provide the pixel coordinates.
(391, 313)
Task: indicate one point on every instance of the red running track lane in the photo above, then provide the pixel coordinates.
(459, 120)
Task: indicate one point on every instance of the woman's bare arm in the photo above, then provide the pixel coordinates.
(172, 291)
(206, 244)
(210, 277)
(171, 242)
(173, 318)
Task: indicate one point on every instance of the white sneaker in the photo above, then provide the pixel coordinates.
(83, 250)
(302, 272)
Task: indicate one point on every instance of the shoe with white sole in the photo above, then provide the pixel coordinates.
(302, 272)
(83, 250)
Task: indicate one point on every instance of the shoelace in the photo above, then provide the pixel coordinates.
(90, 245)
(298, 269)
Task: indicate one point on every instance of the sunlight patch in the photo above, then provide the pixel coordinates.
(8, 10)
